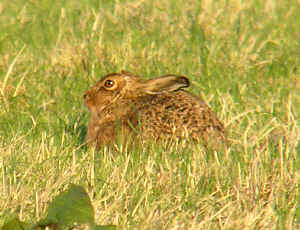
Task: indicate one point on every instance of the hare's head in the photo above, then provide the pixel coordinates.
(116, 88)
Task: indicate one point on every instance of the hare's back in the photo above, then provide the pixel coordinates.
(179, 113)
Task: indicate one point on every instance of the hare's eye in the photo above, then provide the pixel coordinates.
(109, 83)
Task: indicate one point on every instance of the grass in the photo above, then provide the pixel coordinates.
(243, 59)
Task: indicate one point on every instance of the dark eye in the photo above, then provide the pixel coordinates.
(109, 83)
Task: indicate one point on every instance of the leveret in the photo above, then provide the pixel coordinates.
(128, 106)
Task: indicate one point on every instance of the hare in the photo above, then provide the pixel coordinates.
(157, 109)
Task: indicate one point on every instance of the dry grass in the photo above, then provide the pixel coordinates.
(243, 59)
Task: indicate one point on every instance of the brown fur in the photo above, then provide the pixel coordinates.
(149, 109)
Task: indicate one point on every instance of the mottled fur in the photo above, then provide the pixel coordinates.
(149, 109)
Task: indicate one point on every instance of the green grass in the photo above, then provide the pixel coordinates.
(243, 59)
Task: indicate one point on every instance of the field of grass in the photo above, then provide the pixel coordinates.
(243, 58)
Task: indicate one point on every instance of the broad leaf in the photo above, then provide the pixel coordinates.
(105, 227)
(15, 224)
(71, 207)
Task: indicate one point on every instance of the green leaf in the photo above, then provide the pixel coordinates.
(105, 227)
(15, 224)
(71, 207)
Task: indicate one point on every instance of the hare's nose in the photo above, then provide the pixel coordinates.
(85, 96)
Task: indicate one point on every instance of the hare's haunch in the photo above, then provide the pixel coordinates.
(157, 109)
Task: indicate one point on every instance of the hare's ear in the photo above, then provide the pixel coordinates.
(166, 83)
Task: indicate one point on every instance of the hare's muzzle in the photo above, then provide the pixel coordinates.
(85, 96)
(86, 100)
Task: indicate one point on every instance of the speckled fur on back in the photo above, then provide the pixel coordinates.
(157, 109)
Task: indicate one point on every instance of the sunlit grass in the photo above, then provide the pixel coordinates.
(242, 58)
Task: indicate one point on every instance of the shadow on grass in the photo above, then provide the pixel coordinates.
(77, 128)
